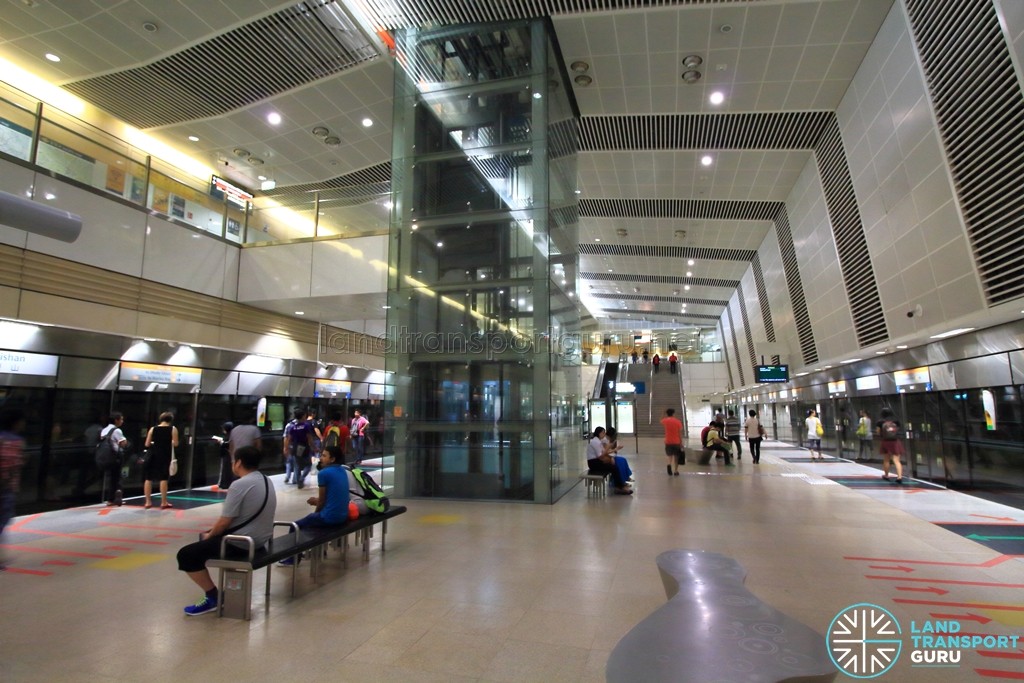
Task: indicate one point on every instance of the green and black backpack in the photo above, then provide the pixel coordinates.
(371, 492)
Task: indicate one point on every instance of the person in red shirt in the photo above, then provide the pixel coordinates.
(673, 442)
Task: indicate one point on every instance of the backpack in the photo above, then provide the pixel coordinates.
(890, 431)
(370, 492)
(332, 439)
(106, 456)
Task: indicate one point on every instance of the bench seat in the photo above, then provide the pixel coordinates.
(596, 482)
(235, 575)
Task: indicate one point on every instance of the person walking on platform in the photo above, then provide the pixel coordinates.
(358, 430)
(656, 361)
(732, 432)
(866, 436)
(673, 442)
(110, 462)
(161, 441)
(634, 356)
(12, 446)
(755, 433)
(248, 510)
(645, 356)
(298, 447)
(672, 361)
(891, 448)
(814, 433)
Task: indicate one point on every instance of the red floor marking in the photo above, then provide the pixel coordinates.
(1001, 519)
(105, 511)
(168, 535)
(995, 673)
(1009, 522)
(947, 581)
(929, 589)
(59, 563)
(117, 547)
(893, 569)
(31, 572)
(965, 605)
(990, 563)
(45, 551)
(17, 525)
(91, 538)
(962, 617)
(1000, 654)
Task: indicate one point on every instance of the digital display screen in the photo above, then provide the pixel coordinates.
(771, 373)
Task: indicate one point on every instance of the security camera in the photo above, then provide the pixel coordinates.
(910, 314)
(915, 312)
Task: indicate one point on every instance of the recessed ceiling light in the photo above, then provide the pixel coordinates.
(580, 67)
(690, 262)
(300, 313)
(273, 118)
(597, 239)
(583, 79)
(332, 140)
(385, 307)
(367, 122)
(706, 160)
(717, 97)
(440, 244)
(150, 27)
(537, 96)
(261, 177)
(952, 333)
(689, 273)
(901, 346)
(687, 288)
(52, 57)
(321, 132)
(193, 138)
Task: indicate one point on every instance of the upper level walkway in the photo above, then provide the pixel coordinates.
(508, 592)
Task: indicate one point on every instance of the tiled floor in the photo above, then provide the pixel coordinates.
(504, 592)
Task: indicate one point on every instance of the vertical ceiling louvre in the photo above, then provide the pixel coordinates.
(981, 122)
(762, 299)
(791, 267)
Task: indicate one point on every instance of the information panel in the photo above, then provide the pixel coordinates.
(162, 374)
(331, 388)
(21, 363)
(771, 373)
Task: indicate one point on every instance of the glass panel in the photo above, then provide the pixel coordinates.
(98, 160)
(275, 219)
(17, 121)
(186, 202)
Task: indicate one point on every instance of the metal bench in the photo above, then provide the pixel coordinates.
(235, 575)
(714, 629)
(596, 482)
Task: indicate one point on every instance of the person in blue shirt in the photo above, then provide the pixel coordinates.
(331, 503)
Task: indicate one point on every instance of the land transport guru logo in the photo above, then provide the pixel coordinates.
(865, 641)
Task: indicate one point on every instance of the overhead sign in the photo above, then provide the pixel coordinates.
(21, 363)
(914, 376)
(764, 374)
(331, 387)
(162, 374)
(837, 387)
(236, 195)
(867, 383)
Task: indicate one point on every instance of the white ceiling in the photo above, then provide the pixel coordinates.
(795, 55)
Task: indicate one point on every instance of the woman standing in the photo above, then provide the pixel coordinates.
(866, 437)
(814, 433)
(161, 441)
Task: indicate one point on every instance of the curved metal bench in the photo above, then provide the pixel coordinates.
(714, 629)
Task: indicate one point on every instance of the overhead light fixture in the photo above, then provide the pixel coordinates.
(367, 122)
(579, 67)
(689, 273)
(241, 153)
(692, 61)
(680, 234)
(583, 80)
(150, 27)
(300, 313)
(321, 132)
(717, 97)
(690, 262)
(706, 160)
(193, 138)
(901, 346)
(273, 118)
(52, 57)
(332, 140)
(851, 360)
(690, 76)
(268, 185)
(261, 177)
(687, 288)
(952, 333)
(440, 244)
(255, 161)
(597, 239)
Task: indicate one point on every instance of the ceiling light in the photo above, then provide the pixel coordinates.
(241, 153)
(332, 140)
(622, 232)
(680, 234)
(689, 273)
(367, 122)
(952, 333)
(255, 161)
(150, 27)
(690, 262)
(717, 97)
(193, 138)
(261, 177)
(440, 244)
(725, 28)
(579, 67)
(300, 313)
(851, 360)
(901, 346)
(692, 61)
(52, 57)
(597, 239)
(583, 80)
(690, 76)
(273, 118)
(321, 132)
(879, 353)
(706, 160)
(268, 185)
(385, 307)
(687, 288)
(537, 95)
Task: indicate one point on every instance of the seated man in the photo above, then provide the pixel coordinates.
(715, 442)
(332, 500)
(248, 511)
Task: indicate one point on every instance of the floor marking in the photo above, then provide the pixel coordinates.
(151, 527)
(1000, 654)
(962, 617)
(31, 518)
(129, 561)
(117, 547)
(30, 572)
(168, 535)
(999, 559)
(45, 551)
(949, 581)
(105, 511)
(929, 589)
(892, 569)
(965, 605)
(995, 673)
(89, 538)
(59, 563)
(1001, 519)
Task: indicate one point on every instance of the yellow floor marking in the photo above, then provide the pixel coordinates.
(441, 519)
(129, 561)
(1005, 618)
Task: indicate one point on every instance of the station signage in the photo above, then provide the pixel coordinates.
(160, 374)
(331, 387)
(21, 363)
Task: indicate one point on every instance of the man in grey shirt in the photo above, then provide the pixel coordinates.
(248, 511)
(244, 435)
